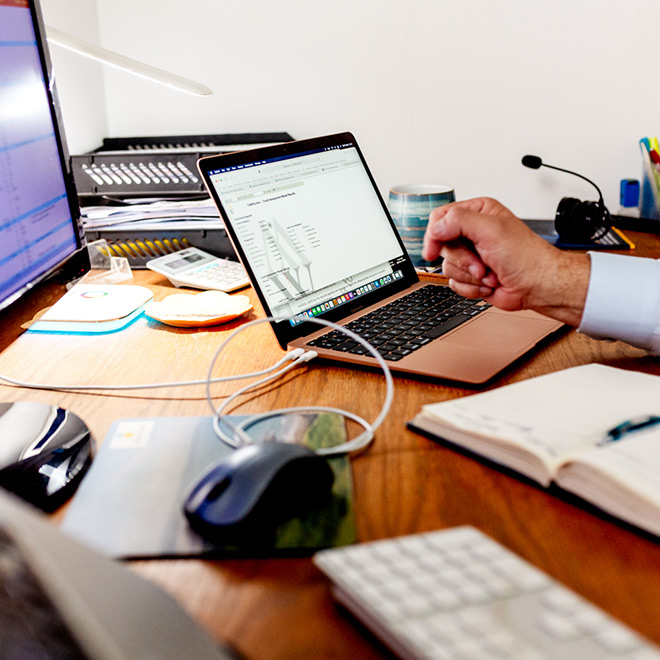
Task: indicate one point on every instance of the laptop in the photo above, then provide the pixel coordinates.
(61, 600)
(316, 239)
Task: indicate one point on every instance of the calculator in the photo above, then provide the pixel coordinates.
(197, 269)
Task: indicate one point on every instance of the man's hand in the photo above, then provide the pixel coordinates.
(489, 253)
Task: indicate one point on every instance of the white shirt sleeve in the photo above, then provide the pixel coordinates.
(623, 300)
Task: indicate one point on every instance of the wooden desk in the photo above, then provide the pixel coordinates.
(404, 483)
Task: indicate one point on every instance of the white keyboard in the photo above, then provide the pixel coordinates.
(457, 593)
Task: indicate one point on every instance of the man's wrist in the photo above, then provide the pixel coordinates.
(563, 292)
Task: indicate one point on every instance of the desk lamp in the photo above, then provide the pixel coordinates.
(128, 64)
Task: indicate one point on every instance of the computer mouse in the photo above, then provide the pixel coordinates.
(44, 452)
(245, 496)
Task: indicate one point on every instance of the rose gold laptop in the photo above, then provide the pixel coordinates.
(309, 225)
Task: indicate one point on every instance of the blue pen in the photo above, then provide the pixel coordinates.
(629, 426)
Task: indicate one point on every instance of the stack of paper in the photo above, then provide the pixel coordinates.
(149, 213)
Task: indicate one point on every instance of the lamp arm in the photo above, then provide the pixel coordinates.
(128, 64)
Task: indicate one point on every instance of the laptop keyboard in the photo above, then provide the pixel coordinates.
(406, 324)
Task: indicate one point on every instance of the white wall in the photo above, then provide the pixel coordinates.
(80, 83)
(435, 90)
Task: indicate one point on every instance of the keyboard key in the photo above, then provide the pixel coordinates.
(459, 594)
(409, 322)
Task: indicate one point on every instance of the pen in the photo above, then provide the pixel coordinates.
(629, 426)
(623, 237)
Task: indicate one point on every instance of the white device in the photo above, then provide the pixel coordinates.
(197, 269)
(458, 593)
(94, 308)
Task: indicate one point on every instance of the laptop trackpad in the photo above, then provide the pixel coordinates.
(502, 331)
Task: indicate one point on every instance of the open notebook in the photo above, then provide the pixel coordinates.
(591, 430)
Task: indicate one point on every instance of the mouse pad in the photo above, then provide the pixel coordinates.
(130, 503)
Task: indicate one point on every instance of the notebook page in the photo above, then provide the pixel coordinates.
(633, 460)
(556, 415)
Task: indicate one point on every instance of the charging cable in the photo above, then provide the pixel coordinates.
(290, 356)
(239, 436)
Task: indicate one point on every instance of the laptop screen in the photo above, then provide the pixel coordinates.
(310, 226)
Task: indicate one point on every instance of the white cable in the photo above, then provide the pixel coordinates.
(291, 355)
(241, 438)
(251, 386)
(356, 443)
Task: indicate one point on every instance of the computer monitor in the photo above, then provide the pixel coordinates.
(40, 228)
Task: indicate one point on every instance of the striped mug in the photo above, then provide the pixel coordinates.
(410, 206)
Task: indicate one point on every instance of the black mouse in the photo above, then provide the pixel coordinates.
(245, 496)
(44, 452)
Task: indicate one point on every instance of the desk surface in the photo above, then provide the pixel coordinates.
(404, 483)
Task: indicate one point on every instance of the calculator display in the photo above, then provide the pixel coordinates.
(185, 261)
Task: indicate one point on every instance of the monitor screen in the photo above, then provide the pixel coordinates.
(39, 218)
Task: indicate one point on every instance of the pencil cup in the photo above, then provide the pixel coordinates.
(410, 206)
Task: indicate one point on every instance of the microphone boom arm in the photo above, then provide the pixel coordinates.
(560, 169)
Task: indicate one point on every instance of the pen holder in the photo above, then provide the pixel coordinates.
(650, 193)
(648, 205)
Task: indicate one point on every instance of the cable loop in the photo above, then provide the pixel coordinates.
(240, 437)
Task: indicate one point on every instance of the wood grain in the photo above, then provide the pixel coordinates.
(404, 483)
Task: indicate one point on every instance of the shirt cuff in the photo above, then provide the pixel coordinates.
(623, 300)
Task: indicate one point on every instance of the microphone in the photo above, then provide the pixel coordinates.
(534, 162)
(576, 221)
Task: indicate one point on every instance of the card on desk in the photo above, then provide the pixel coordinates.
(130, 504)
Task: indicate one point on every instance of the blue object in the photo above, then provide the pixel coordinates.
(245, 496)
(86, 328)
(629, 193)
(410, 207)
(629, 426)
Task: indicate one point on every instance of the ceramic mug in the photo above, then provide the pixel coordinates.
(410, 206)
